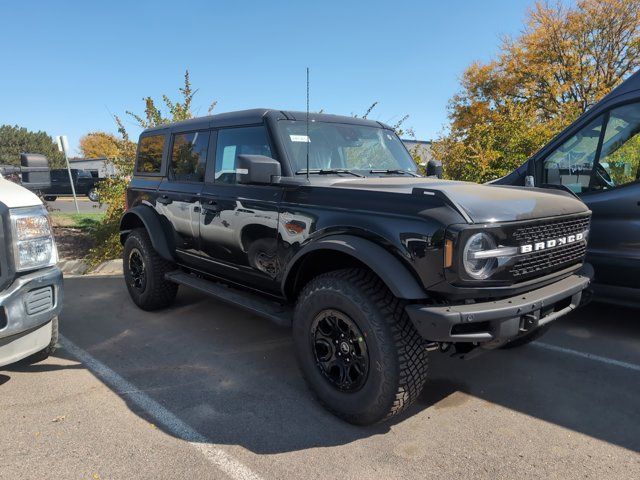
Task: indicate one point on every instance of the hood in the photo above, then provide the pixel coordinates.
(13, 195)
(482, 203)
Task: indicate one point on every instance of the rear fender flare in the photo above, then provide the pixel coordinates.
(160, 238)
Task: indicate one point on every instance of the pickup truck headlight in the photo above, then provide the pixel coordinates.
(477, 257)
(33, 243)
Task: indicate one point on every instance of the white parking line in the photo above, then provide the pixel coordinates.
(589, 356)
(222, 460)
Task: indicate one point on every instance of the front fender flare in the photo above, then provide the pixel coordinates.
(153, 224)
(388, 267)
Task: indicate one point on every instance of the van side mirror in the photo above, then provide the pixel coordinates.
(257, 169)
(35, 171)
(433, 168)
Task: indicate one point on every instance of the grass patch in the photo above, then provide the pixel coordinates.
(83, 221)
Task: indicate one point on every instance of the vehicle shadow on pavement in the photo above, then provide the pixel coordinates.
(4, 379)
(233, 377)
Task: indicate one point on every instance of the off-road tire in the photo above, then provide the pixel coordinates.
(527, 337)
(48, 350)
(157, 292)
(397, 354)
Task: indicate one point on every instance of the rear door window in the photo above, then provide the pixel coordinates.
(189, 156)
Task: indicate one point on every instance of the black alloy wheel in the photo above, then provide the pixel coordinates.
(340, 350)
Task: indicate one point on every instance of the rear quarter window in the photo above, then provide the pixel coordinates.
(150, 154)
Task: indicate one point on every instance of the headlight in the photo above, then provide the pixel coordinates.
(33, 243)
(476, 264)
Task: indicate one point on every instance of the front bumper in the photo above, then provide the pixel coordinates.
(27, 307)
(493, 323)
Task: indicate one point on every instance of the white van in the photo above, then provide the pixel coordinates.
(30, 281)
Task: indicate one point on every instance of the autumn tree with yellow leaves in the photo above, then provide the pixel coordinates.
(566, 59)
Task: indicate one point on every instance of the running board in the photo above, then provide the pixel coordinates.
(276, 312)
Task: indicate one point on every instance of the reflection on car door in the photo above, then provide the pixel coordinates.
(239, 223)
(179, 193)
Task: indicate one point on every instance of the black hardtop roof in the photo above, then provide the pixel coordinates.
(257, 115)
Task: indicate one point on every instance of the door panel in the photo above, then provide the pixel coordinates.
(179, 203)
(239, 223)
(238, 233)
(614, 239)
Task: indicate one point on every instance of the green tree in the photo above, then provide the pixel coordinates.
(15, 140)
(112, 191)
(566, 59)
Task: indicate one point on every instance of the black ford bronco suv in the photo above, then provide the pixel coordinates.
(324, 223)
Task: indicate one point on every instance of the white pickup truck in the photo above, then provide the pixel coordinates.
(30, 281)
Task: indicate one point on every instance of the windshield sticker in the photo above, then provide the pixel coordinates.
(300, 138)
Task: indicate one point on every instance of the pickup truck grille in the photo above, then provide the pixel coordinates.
(549, 260)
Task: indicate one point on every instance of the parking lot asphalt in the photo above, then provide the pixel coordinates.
(204, 390)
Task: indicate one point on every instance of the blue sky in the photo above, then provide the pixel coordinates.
(68, 66)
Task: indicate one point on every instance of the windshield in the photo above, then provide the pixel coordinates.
(342, 146)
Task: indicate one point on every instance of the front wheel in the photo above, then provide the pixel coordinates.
(144, 272)
(357, 348)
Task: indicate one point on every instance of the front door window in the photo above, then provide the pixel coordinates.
(572, 163)
(619, 162)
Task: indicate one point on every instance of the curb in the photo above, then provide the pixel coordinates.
(80, 267)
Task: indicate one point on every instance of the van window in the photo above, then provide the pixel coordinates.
(150, 154)
(571, 164)
(619, 162)
(189, 156)
(238, 141)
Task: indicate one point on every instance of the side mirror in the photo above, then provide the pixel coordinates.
(35, 171)
(433, 168)
(257, 169)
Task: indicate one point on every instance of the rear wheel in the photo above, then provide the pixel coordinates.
(144, 272)
(357, 349)
(93, 194)
(527, 337)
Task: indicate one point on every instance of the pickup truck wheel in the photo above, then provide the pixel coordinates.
(93, 194)
(357, 349)
(48, 350)
(144, 272)
(527, 337)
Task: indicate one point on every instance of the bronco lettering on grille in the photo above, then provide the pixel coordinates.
(556, 242)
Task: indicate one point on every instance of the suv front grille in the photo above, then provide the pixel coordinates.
(547, 261)
(545, 231)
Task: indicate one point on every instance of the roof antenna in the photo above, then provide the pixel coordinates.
(308, 139)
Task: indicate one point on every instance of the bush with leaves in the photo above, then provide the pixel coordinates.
(112, 191)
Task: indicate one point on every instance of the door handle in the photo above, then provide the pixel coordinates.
(164, 199)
